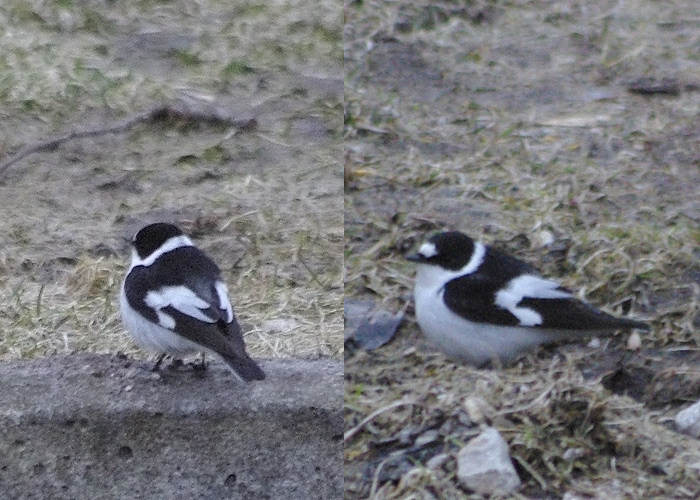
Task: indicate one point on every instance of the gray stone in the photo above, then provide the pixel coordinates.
(610, 490)
(280, 325)
(484, 465)
(369, 325)
(97, 426)
(688, 420)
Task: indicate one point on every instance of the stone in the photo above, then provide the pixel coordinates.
(484, 465)
(634, 342)
(476, 409)
(280, 325)
(610, 490)
(688, 420)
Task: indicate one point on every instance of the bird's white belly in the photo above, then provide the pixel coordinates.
(152, 336)
(470, 342)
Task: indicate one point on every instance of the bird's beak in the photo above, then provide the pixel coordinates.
(415, 257)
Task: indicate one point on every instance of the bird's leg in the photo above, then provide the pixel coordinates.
(202, 365)
(175, 364)
(158, 362)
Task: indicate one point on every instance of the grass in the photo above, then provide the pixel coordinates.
(511, 123)
(265, 204)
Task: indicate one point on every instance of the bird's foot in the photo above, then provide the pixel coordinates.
(199, 366)
(158, 362)
(175, 364)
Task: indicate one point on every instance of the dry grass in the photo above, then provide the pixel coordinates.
(511, 122)
(265, 204)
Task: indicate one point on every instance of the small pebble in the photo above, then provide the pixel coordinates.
(634, 342)
(426, 438)
(280, 325)
(594, 343)
(688, 420)
(475, 409)
(572, 454)
(544, 238)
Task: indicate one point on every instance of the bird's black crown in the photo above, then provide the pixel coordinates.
(149, 238)
(453, 250)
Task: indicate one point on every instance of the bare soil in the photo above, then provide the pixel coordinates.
(565, 133)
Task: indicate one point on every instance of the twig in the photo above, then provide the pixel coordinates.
(181, 111)
(531, 470)
(349, 434)
(375, 479)
(308, 269)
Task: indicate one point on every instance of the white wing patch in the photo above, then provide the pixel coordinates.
(181, 298)
(224, 303)
(428, 250)
(528, 286)
(165, 320)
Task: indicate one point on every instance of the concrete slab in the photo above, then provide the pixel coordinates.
(94, 427)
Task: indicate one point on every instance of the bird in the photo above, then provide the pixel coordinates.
(479, 305)
(174, 301)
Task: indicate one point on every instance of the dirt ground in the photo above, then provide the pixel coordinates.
(265, 203)
(564, 132)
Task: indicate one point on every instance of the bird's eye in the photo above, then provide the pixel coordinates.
(406, 244)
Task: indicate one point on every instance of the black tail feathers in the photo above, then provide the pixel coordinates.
(244, 368)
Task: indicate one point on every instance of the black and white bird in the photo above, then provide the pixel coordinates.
(173, 301)
(480, 305)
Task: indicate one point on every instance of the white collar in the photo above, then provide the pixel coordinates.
(169, 245)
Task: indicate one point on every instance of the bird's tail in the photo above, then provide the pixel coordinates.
(243, 367)
(632, 324)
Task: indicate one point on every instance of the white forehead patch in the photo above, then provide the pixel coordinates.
(428, 250)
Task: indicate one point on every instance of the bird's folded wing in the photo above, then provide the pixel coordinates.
(573, 314)
(208, 322)
(473, 297)
(528, 300)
